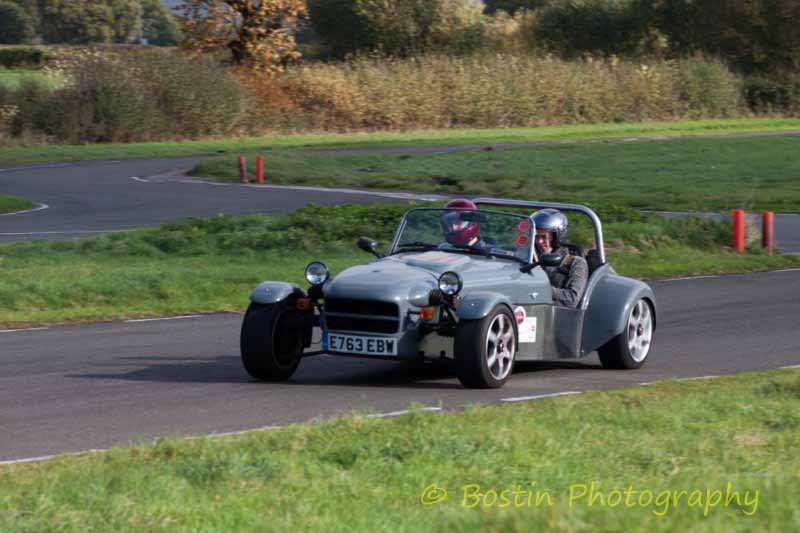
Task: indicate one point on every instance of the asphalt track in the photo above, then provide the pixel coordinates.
(87, 198)
(85, 387)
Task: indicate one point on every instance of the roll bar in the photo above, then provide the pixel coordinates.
(598, 227)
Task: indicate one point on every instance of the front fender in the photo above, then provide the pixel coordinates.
(608, 309)
(272, 292)
(478, 304)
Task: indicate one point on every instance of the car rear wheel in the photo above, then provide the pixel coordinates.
(271, 346)
(485, 349)
(630, 348)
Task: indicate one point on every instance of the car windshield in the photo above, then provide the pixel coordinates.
(467, 231)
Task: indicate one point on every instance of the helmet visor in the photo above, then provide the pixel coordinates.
(451, 221)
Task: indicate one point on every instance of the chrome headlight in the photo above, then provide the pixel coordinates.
(450, 283)
(317, 273)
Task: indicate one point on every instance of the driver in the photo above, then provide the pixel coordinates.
(460, 232)
(569, 278)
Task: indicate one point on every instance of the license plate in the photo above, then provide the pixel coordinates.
(360, 345)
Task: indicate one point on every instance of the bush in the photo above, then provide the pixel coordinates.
(780, 92)
(513, 6)
(515, 33)
(339, 24)
(16, 27)
(397, 27)
(137, 97)
(752, 35)
(30, 101)
(106, 102)
(77, 22)
(89, 21)
(600, 27)
(197, 97)
(273, 107)
(23, 57)
(160, 26)
(708, 88)
(158, 96)
(505, 90)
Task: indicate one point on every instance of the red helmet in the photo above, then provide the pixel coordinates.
(457, 231)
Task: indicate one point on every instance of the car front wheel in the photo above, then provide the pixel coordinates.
(271, 345)
(485, 349)
(630, 348)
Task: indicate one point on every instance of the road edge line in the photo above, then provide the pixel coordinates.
(22, 330)
(40, 207)
(540, 396)
(158, 319)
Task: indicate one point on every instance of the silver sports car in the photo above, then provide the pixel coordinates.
(483, 306)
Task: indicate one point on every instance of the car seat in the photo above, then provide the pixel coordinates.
(593, 260)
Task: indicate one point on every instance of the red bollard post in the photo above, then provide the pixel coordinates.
(260, 169)
(738, 230)
(242, 169)
(768, 231)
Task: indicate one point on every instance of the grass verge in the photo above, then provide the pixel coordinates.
(754, 173)
(10, 204)
(637, 449)
(205, 265)
(44, 153)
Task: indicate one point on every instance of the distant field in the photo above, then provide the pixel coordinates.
(711, 455)
(394, 139)
(9, 204)
(703, 174)
(12, 78)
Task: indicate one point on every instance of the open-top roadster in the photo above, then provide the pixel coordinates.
(484, 306)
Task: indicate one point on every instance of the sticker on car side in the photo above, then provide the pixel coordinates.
(526, 325)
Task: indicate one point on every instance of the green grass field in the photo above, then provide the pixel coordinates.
(711, 455)
(40, 153)
(755, 173)
(205, 265)
(10, 204)
(12, 78)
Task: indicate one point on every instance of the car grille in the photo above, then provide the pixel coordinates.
(366, 316)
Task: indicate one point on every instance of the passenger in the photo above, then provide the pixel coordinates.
(569, 278)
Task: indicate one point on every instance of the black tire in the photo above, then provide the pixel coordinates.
(472, 347)
(627, 350)
(270, 350)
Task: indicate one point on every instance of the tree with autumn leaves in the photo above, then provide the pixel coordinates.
(258, 34)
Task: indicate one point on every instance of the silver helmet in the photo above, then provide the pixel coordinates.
(555, 221)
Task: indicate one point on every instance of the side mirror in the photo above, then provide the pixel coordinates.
(369, 246)
(550, 260)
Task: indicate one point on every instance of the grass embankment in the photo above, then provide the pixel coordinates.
(44, 153)
(10, 204)
(682, 174)
(716, 455)
(213, 264)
